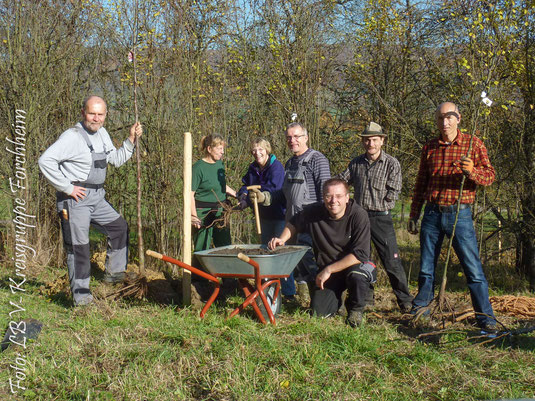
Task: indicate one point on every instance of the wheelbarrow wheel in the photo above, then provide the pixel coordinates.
(275, 304)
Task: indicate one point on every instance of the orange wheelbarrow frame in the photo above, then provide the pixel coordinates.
(261, 283)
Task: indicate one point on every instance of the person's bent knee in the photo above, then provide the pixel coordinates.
(325, 303)
(365, 271)
(118, 232)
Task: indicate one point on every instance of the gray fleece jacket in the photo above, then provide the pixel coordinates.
(69, 158)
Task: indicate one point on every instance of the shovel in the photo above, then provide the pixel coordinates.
(255, 203)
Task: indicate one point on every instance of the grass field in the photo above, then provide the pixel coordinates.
(145, 350)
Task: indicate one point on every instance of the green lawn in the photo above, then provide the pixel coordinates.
(140, 350)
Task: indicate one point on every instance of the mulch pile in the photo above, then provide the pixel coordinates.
(523, 307)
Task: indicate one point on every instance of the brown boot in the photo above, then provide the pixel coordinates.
(303, 294)
(354, 318)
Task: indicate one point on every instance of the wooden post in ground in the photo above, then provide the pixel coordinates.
(186, 246)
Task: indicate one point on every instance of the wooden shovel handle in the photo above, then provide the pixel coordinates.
(255, 205)
(257, 217)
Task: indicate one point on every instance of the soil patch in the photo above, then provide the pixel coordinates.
(255, 251)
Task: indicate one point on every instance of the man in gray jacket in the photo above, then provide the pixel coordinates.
(76, 166)
(305, 173)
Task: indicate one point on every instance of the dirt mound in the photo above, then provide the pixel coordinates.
(255, 251)
(158, 288)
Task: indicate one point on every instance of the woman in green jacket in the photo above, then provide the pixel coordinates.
(208, 190)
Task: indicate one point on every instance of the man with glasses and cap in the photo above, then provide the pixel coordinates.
(376, 178)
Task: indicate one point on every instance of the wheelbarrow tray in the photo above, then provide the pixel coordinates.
(276, 265)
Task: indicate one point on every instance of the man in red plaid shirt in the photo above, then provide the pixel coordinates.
(443, 162)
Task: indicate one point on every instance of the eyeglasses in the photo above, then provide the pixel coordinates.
(328, 198)
(296, 137)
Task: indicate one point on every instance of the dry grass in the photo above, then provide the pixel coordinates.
(151, 350)
(134, 350)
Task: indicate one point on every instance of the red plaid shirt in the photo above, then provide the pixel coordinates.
(440, 174)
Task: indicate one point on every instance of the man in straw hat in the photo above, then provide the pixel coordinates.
(376, 177)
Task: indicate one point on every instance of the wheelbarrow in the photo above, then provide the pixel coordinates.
(265, 270)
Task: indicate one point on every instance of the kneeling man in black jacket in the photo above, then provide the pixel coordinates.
(340, 232)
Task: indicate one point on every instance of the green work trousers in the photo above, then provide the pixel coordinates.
(203, 237)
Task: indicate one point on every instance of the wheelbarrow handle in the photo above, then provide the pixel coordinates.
(154, 254)
(253, 263)
(255, 266)
(183, 265)
(244, 257)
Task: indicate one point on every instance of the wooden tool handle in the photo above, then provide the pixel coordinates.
(255, 205)
(257, 216)
(154, 254)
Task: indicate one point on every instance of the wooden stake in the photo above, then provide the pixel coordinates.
(186, 246)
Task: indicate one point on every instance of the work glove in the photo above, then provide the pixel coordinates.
(412, 226)
(467, 165)
(262, 197)
(242, 201)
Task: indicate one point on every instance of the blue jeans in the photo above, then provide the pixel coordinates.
(270, 229)
(435, 225)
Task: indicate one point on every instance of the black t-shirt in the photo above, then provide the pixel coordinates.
(334, 239)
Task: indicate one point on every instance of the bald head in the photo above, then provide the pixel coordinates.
(92, 99)
(94, 113)
(447, 119)
(449, 106)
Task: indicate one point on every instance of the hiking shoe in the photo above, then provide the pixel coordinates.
(416, 310)
(354, 318)
(421, 314)
(84, 301)
(489, 327)
(406, 307)
(114, 278)
(290, 302)
(120, 277)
